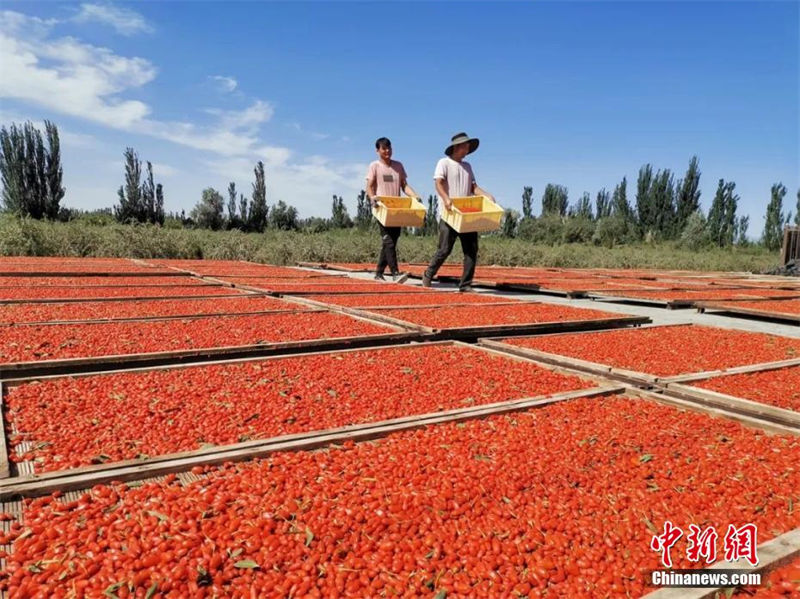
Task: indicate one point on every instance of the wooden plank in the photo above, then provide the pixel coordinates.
(771, 555)
(92, 475)
(102, 363)
(555, 327)
(768, 314)
(736, 404)
(5, 468)
(698, 376)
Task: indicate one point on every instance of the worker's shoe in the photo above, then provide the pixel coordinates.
(399, 278)
(426, 280)
(379, 276)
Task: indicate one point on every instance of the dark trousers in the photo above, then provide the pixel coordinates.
(447, 239)
(389, 237)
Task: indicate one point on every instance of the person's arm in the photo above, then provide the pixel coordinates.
(479, 191)
(442, 190)
(372, 186)
(409, 191)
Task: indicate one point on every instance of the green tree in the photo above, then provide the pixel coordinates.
(283, 217)
(688, 194)
(644, 199)
(662, 198)
(603, 204)
(363, 211)
(243, 211)
(431, 217)
(554, 200)
(130, 195)
(620, 207)
(527, 202)
(721, 221)
(208, 212)
(797, 211)
(742, 224)
(233, 219)
(510, 222)
(159, 214)
(583, 207)
(340, 218)
(257, 219)
(31, 174)
(148, 194)
(773, 228)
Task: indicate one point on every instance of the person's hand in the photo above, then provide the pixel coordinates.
(448, 204)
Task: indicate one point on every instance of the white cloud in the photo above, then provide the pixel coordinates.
(224, 84)
(123, 20)
(80, 80)
(70, 77)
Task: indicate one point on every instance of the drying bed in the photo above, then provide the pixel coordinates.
(790, 307)
(704, 294)
(28, 343)
(23, 294)
(454, 317)
(559, 501)
(303, 288)
(668, 350)
(97, 281)
(779, 387)
(122, 416)
(117, 309)
(425, 298)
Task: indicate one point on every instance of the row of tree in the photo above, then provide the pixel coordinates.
(663, 207)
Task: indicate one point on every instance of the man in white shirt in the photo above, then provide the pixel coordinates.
(454, 178)
(387, 177)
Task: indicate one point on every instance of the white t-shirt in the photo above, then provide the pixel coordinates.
(458, 177)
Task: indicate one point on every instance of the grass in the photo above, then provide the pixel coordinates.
(39, 238)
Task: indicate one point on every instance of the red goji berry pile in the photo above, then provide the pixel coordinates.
(707, 294)
(562, 501)
(490, 314)
(22, 343)
(788, 306)
(76, 265)
(122, 416)
(270, 282)
(469, 209)
(780, 388)
(37, 293)
(780, 583)
(97, 281)
(668, 350)
(47, 312)
(430, 298)
(307, 288)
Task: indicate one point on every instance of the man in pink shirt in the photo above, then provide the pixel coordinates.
(454, 179)
(387, 177)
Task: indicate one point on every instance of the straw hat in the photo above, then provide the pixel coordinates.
(460, 138)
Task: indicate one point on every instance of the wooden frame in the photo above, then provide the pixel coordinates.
(87, 476)
(126, 361)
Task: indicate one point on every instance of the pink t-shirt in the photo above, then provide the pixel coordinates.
(391, 178)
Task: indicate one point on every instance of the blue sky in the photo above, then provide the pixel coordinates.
(575, 93)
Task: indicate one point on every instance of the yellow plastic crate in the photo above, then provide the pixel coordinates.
(487, 218)
(399, 212)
